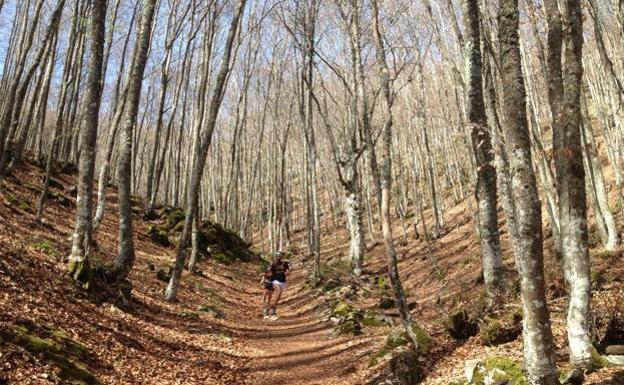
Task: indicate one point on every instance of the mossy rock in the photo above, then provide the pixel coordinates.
(572, 377)
(498, 370)
(349, 327)
(54, 346)
(349, 318)
(173, 219)
(342, 309)
(158, 235)
(422, 338)
(501, 330)
(460, 326)
(178, 227)
(405, 368)
(598, 279)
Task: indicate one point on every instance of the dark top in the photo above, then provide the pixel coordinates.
(278, 270)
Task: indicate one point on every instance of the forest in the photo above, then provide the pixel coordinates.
(365, 192)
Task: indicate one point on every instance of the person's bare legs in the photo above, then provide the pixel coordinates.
(266, 299)
(277, 289)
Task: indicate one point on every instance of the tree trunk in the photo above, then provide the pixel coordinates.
(125, 256)
(79, 266)
(538, 341)
(202, 152)
(571, 189)
(386, 181)
(485, 191)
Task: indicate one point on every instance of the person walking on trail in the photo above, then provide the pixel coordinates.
(278, 271)
(266, 279)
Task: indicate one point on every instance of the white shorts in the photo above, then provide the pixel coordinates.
(282, 285)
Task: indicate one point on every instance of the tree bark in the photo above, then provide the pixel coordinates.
(79, 266)
(485, 191)
(125, 256)
(386, 183)
(538, 341)
(571, 189)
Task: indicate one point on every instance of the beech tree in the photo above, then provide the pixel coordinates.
(125, 257)
(201, 151)
(538, 341)
(79, 264)
(485, 189)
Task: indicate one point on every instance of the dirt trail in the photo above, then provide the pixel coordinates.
(300, 346)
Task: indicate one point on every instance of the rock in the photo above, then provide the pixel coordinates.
(495, 371)
(469, 369)
(61, 199)
(158, 235)
(54, 347)
(572, 377)
(350, 319)
(615, 360)
(405, 368)
(150, 215)
(616, 350)
(381, 282)
(500, 330)
(460, 326)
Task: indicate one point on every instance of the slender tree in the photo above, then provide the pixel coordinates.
(125, 257)
(538, 341)
(201, 152)
(79, 265)
(568, 155)
(386, 183)
(485, 189)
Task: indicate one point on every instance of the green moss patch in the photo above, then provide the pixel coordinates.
(494, 370)
(54, 346)
(347, 318)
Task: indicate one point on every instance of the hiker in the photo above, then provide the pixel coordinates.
(279, 271)
(266, 279)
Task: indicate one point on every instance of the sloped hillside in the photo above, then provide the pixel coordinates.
(337, 331)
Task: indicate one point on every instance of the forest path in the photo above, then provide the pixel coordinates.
(299, 347)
